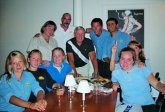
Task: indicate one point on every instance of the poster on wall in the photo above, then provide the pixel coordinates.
(130, 21)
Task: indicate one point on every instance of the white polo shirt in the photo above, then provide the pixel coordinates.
(62, 36)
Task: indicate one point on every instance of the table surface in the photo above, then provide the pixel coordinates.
(93, 103)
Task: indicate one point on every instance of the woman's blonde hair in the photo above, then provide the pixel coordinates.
(8, 67)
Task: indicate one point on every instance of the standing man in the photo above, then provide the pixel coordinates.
(79, 49)
(121, 39)
(64, 31)
(99, 38)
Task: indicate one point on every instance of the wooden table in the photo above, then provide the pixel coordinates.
(93, 103)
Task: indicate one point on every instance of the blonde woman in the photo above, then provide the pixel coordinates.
(17, 84)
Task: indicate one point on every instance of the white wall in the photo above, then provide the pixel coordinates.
(21, 19)
(154, 25)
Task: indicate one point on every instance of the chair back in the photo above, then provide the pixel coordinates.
(160, 103)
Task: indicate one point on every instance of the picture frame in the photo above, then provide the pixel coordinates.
(144, 32)
(130, 21)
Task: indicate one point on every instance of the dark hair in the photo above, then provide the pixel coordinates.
(141, 54)
(58, 49)
(97, 20)
(48, 23)
(112, 19)
(129, 50)
(65, 14)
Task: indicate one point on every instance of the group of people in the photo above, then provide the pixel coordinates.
(63, 49)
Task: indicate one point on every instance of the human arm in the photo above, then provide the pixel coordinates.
(112, 61)
(37, 35)
(156, 84)
(46, 62)
(71, 62)
(39, 105)
(88, 30)
(92, 56)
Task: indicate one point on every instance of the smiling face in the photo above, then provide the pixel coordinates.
(58, 56)
(126, 60)
(79, 35)
(112, 26)
(49, 30)
(97, 28)
(137, 50)
(17, 64)
(66, 20)
(34, 60)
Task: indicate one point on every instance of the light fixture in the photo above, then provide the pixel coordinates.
(70, 82)
(83, 88)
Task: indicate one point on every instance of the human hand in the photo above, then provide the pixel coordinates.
(141, 64)
(77, 75)
(115, 86)
(60, 90)
(37, 35)
(114, 49)
(95, 75)
(88, 30)
(46, 62)
(39, 105)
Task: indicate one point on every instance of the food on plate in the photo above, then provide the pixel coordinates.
(108, 85)
(101, 80)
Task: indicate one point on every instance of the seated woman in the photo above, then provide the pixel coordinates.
(42, 76)
(140, 57)
(16, 85)
(135, 84)
(58, 68)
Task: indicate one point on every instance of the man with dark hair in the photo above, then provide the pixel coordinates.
(121, 39)
(99, 37)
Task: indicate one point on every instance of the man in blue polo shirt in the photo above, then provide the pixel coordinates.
(117, 37)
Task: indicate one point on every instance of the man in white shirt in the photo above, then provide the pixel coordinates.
(64, 31)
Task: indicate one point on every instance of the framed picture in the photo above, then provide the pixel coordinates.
(139, 11)
(130, 21)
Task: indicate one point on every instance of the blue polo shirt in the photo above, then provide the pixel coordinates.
(19, 88)
(57, 76)
(99, 42)
(134, 85)
(122, 39)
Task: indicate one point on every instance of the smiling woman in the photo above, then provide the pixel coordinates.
(17, 84)
(45, 42)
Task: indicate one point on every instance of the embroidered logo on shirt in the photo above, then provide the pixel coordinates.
(27, 84)
(120, 40)
(40, 78)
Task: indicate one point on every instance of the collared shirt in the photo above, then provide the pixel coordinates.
(44, 78)
(19, 88)
(134, 85)
(57, 76)
(122, 41)
(62, 36)
(99, 42)
(45, 48)
(85, 48)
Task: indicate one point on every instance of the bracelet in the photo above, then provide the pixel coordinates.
(30, 104)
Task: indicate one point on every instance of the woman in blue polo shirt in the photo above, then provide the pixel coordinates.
(135, 84)
(16, 85)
